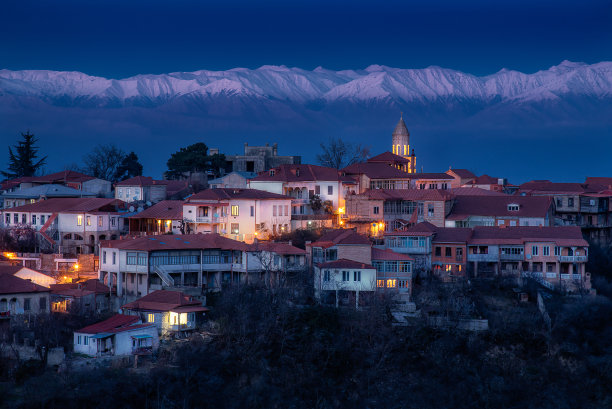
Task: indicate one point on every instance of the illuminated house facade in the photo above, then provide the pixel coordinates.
(70, 225)
(172, 312)
(240, 214)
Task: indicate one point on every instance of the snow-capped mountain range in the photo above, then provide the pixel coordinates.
(375, 83)
(486, 123)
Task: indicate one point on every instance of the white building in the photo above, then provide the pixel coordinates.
(302, 183)
(190, 262)
(118, 335)
(240, 214)
(140, 188)
(343, 281)
(69, 225)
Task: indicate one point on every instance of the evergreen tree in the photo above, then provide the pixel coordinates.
(22, 158)
(194, 158)
(129, 167)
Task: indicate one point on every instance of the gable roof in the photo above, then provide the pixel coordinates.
(376, 170)
(164, 300)
(548, 187)
(166, 210)
(67, 176)
(10, 284)
(301, 173)
(388, 254)
(407, 194)
(91, 286)
(452, 235)
(231, 193)
(484, 180)
(115, 324)
(137, 181)
(561, 235)
(50, 190)
(419, 229)
(462, 173)
(67, 205)
(529, 206)
(341, 237)
(278, 248)
(177, 242)
(475, 191)
(387, 157)
(344, 263)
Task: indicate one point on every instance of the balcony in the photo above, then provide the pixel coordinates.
(576, 277)
(566, 276)
(483, 257)
(511, 257)
(182, 327)
(572, 259)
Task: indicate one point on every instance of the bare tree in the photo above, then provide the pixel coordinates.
(103, 161)
(338, 153)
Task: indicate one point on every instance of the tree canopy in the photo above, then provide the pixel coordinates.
(22, 158)
(194, 158)
(338, 153)
(129, 167)
(104, 161)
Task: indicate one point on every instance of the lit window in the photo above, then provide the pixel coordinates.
(235, 210)
(79, 220)
(380, 283)
(391, 283)
(151, 318)
(89, 220)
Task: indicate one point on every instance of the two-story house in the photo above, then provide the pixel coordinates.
(380, 210)
(500, 210)
(240, 214)
(303, 184)
(70, 225)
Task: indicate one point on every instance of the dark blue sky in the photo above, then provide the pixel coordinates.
(122, 38)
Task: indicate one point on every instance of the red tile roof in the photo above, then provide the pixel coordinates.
(301, 173)
(388, 157)
(408, 194)
(69, 205)
(164, 300)
(529, 206)
(376, 170)
(137, 181)
(238, 194)
(10, 269)
(452, 235)
(166, 210)
(344, 263)
(419, 229)
(430, 176)
(547, 187)
(387, 254)
(462, 173)
(485, 180)
(177, 242)
(87, 287)
(68, 176)
(278, 248)
(10, 284)
(115, 324)
(561, 235)
(342, 237)
(475, 191)
(595, 180)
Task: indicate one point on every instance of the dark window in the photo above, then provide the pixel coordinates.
(43, 304)
(438, 251)
(317, 190)
(570, 202)
(330, 190)
(376, 210)
(447, 252)
(26, 304)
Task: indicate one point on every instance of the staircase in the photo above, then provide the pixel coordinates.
(165, 277)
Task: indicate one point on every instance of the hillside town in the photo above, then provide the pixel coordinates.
(134, 266)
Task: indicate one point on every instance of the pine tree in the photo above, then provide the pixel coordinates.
(129, 167)
(22, 160)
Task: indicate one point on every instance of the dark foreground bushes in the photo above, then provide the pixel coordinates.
(267, 353)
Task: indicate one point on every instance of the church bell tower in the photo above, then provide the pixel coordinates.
(401, 144)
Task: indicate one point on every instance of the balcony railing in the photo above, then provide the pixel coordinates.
(572, 259)
(566, 276)
(182, 327)
(514, 257)
(577, 277)
(482, 257)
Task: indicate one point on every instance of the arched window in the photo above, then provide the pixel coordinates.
(78, 237)
(68, 236)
